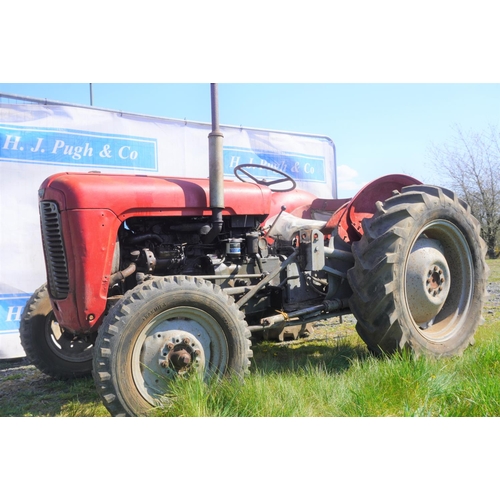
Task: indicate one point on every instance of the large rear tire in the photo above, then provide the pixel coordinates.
(162, 329)
(53, 351)
(419, 277)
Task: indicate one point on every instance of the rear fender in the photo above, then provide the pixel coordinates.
(348, 218)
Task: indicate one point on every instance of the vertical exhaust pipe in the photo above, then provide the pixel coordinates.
(216, 168)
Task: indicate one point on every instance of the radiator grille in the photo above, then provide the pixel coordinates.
(55, 255)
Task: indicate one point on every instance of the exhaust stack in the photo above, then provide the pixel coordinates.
(216, 168)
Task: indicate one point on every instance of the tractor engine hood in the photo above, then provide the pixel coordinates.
(130, 195)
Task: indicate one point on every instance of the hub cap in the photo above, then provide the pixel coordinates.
(67, 346)
(439, 280)
(427, 280)
(177, 342)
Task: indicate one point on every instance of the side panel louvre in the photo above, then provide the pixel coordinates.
(55, 254)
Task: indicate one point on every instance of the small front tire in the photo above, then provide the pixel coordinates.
(57, 353)
(165, 328)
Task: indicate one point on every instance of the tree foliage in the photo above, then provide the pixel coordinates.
(471, 162)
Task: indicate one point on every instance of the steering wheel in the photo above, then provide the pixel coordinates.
(243, 170)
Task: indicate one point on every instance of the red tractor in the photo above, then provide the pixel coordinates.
(152, 277)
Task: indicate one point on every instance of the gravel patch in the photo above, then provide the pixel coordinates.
(493, 300)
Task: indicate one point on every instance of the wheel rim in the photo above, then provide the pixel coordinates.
(177, 342)
(439, 281)
(69, 347)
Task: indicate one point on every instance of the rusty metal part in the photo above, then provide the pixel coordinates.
(328, 306)
(180, 359)
(121, 275)
(181, 353)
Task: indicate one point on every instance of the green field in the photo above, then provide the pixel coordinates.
(331, 374)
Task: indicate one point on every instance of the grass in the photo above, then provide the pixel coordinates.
(494, 266)
(333, 375)
(344, 381)
(337, 377)
(26, 394)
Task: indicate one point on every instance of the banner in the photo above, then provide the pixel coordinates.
(38, 140)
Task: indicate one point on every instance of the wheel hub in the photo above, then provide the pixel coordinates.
(435, 281)
(175, 343)
(427, 281)
(166, 354)
(66, 345)
(182, 351)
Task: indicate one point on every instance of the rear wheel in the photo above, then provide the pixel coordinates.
(419, 278)
(53, 351)
(163, 329)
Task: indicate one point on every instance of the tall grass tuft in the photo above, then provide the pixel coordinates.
(344, 381)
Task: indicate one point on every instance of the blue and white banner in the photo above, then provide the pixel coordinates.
(11, 308)
(38, 140)
(299, 166)
(76, 148)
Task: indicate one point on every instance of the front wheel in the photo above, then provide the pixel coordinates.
(419, 278)
(55, 352)
(166, 328)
